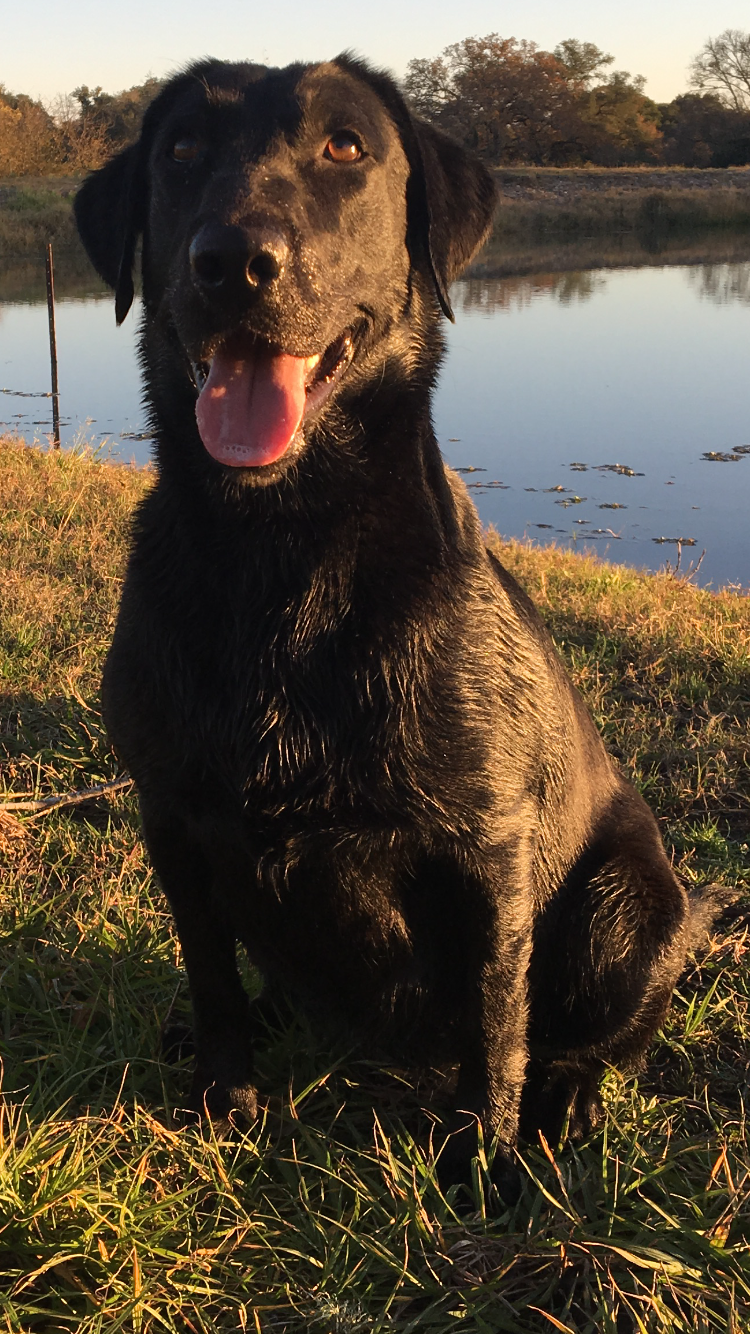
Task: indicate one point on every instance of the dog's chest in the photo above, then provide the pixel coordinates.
(303, 703)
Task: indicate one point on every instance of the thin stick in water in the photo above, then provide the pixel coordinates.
(53, 348)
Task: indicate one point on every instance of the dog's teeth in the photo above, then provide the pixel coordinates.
(199, 374)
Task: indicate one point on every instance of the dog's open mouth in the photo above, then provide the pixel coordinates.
(254, 398)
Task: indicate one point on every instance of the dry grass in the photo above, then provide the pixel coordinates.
(325, 1217)
(543, 202)
(615, 211)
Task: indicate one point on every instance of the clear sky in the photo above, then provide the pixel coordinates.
(49, 47)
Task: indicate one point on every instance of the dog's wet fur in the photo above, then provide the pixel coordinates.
(356, 750)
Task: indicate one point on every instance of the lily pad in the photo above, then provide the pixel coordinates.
(621, 469)
(675, 541)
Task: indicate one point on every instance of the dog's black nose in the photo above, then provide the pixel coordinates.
(225, 257)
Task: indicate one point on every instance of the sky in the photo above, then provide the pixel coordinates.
(48, 47)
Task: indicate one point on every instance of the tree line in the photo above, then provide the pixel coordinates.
(76, 134)
(508, 100)
(514, 103)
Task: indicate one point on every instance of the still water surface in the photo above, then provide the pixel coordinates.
(581, 403)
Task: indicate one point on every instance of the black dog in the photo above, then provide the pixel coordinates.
(355, 747)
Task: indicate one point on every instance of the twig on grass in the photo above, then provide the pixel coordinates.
(11, 803)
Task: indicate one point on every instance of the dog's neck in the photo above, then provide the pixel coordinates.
(384, 482)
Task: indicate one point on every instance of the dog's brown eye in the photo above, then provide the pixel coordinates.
(343, 147)
(186, 148)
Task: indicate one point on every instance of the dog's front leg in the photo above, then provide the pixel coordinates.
(223, 1075)
(493, 1032)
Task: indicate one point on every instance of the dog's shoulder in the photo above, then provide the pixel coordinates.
(472, 536)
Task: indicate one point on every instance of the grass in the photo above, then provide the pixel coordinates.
(535, 202)
(325, 1217)
(614, 211)
(33, 212)
(652, 202)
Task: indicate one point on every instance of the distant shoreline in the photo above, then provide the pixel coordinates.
(536, 203)
(546, 201)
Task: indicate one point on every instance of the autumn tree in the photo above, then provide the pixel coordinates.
(77, 133)
(506, 99)
(512, 102)
(27, 136)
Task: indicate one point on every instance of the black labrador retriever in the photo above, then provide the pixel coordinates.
(356, 750)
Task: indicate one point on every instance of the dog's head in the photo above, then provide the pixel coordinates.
(291, 220)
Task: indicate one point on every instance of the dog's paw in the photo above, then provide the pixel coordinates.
(230, 1104)
(455, 1167)
(505, 1176)
(586, 1114)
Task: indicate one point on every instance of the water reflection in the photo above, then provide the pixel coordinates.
(723, 284)
(23, 280)
(516, 291)
(502, 257)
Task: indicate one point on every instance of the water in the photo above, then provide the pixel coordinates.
(98, 375)
(580, 401)
(554, 383)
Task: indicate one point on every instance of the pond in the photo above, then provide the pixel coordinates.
(592, 397)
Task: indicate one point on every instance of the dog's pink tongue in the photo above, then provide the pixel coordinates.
(251, 405)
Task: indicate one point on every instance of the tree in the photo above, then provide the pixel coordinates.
(27, 136)
(506, 99)
(701, 131)
(115, 117)
(621, 124)
(512, 102)
(78, 133)
(722, 67)
(581, 61)
(429, 87)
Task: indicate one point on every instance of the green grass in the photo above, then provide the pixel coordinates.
(325, 1217)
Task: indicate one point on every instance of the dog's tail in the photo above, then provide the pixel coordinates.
(710, 906)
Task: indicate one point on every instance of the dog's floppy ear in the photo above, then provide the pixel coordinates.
(457, 206)
(110, 212)
(451, 196)
(111, 206)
